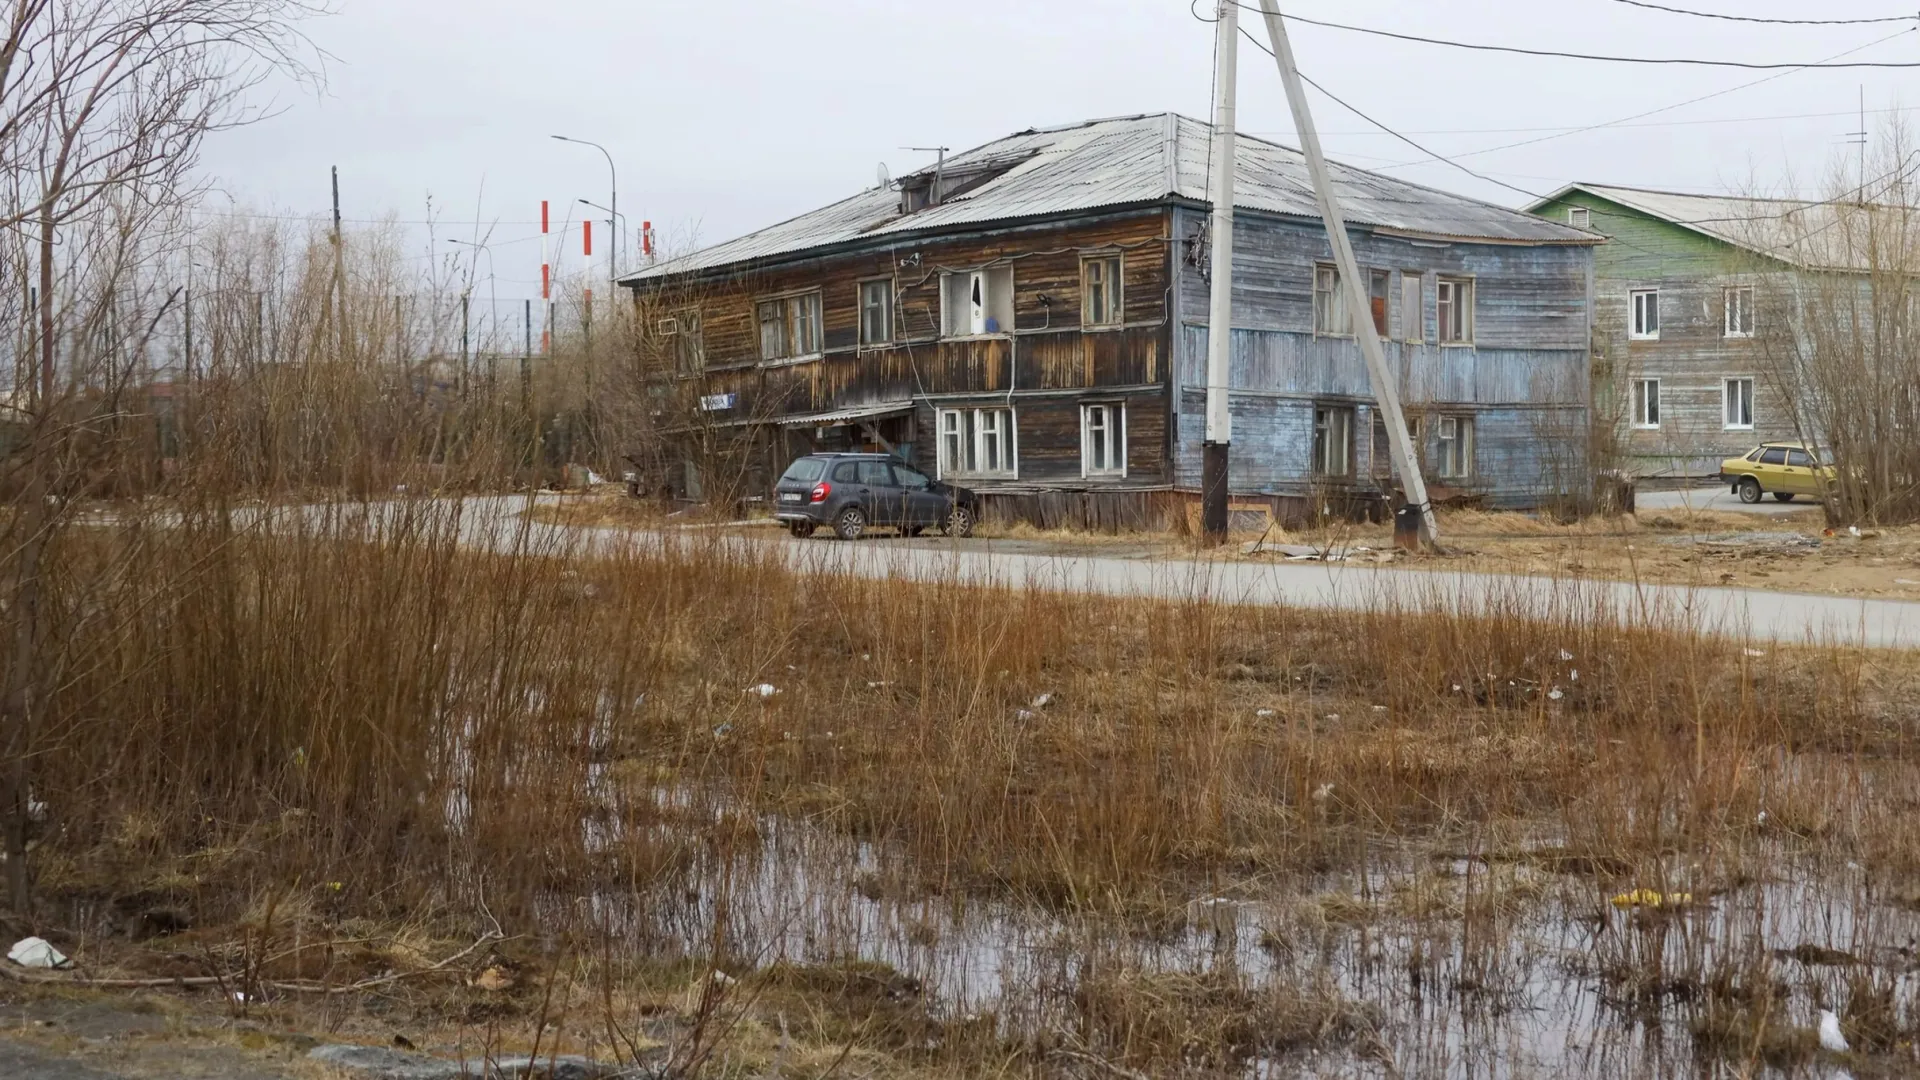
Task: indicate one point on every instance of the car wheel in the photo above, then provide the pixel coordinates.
(1749, 490)
(959, 521)
(1783, 496)
(850, 523)
(800, 529)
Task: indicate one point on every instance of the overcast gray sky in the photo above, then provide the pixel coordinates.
(727, 115)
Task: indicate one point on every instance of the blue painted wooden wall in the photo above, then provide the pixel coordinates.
(1524, 379)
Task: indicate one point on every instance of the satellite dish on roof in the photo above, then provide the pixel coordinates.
(882, 175)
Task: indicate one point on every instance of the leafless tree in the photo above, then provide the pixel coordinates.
(1837, 331)
(104, 107)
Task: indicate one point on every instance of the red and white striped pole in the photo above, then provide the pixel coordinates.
(546, 284)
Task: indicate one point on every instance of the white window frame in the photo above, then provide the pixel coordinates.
(1727, 394)
(885, 285)
(965, 431)
(956, 319)
(1413, 308)
(1739, 298)
(1331, 318)
(1637, 404)
(1346, 446)
(1456, 437)
(799, 313)
(1462, 308)
(1111, 268)
(1112, 431)
(1580, 217)
(1636, 325)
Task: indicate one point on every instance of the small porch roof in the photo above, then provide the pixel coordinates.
(839, 417)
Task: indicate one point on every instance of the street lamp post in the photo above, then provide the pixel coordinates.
(613, 178)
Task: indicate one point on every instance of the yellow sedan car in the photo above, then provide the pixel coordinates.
(1783, 470)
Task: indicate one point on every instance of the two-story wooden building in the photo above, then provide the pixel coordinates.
(1684, 286)
(1030, 319)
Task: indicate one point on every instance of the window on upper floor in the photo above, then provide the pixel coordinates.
(1413, 306)
(1453, 310)
(1644, 315)
(1580, 217)
(1740, 311)
(1330, 315)
(977, 302)
(790, 326)
(1100, 299)
(1379, 288)
(876, 311)
(685, 347)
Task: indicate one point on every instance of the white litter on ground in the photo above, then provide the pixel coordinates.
(33, 952)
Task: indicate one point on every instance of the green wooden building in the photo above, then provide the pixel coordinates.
(1676, 366)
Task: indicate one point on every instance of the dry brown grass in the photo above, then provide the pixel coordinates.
(356, 726)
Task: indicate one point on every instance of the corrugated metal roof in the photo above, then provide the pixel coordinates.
(1123, 161)
(1830, 235)
(841, 416)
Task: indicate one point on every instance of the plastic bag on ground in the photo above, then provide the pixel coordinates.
(36, 952)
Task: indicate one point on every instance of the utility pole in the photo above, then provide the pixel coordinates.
(526, 366)
(1385, 386)
(1219, 434)
(464, 358)
(338, 296)
(186, 315)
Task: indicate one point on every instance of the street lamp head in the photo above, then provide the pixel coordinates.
(562, 138)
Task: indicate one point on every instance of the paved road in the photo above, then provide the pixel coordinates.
(1716, 497)
(1738, 613)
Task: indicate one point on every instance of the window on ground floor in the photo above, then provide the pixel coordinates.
(1103, 439)
(1383, 448)
(977, 442)
(1646, 403)
(1456, 447)
(1333, 440)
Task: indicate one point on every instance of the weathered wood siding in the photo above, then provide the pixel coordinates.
(1693, 356)
(1525, 373)
(1044, 368)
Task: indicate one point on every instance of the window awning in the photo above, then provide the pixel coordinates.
(839, 417)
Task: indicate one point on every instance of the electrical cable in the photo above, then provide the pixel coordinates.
(1756, 19)
(1555, 54)
(1655, 112)
(1263, 47)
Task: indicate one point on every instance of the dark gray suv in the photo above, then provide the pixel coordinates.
(851, 493)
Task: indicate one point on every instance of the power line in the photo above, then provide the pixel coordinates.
(1755, 19)
(1664, 108)
(1658, 124)
(1435, 156)
(1263, 47)
(1655, 60)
